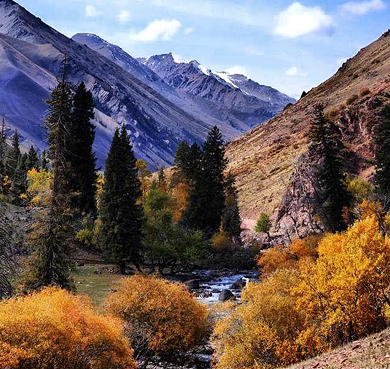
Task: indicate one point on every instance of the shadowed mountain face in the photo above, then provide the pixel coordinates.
(227, 100)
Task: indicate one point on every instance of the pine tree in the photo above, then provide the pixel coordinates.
(121, 215)
(381, 140)
(326, 148)
(207, 195)
(231, 220)
(32, 159)
(2, 156)
(44, 163)
(19, 182)
(12, 158)
(52, 236)
(82, 156)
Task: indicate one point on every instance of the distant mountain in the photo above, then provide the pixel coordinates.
(247, 100)
(234, 107)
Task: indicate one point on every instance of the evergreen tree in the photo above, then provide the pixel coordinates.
(120, 213)
(188, 161)
(2, 156)
(12, 158)
(32, 159)
(19, 182)
(207, 195)
(82, 156)
(382, 152)
(52, 234)
(326, 148)
(44, 163)
(231, 220)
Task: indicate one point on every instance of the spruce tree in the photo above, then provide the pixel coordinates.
(52, 236)
(381, 140)
(231, 220)
(2, 156)
(326, 149)
(12, 158)
(120, 213)
(207, 195)
(44, 163)
(82, 156)
(32, 159)
(188, 161)
(19, 182)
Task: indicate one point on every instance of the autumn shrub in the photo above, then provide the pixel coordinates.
(38, 189)
(282, 257)
(332, 114)
(351, 99)
(221, 243)
(162, 315)
(55, 329)
(261, 332)
(359, 187)
(345, 293)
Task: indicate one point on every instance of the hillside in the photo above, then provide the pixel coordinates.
(263, 159)
(368, 353)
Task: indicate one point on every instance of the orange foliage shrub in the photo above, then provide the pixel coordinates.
(261, 332)
(281, 257)
(164, 313)
(180, 194)
(345, 293)
(54, 329)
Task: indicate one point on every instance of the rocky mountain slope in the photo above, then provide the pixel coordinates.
(268, 162)
(216, 98)
(247, 100)
(31, 54)
(368, 353)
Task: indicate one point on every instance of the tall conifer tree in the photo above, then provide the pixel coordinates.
(120, 213)
(382, 152)
(52, 235)
(231, 220)
(326, 148)
(82, 156)
(32, 159)
(12, 158)
(207, 195)
(19, 182)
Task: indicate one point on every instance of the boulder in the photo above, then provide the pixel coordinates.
(226, 295)
(238, 285)
(193, 284)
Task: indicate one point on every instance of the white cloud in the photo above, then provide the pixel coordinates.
(123, 16)
(91, 11)
(237, 69)
(188, 31)
(362, 7)
(295, 72)
(298, 20)
(157, 30)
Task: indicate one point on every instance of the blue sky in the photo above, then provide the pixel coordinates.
(292, 46)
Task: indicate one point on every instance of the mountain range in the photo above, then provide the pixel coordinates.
(157, 114)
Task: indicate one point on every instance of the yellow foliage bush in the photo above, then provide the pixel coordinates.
(345, 293)
(54, 329)
(221, 242)
(280, 257)
(164, 314)
(39, 183)
(261, 332)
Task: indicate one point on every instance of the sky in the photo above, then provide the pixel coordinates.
(292, 46)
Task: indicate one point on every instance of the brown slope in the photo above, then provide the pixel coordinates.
(262, 159)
